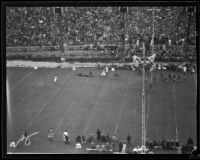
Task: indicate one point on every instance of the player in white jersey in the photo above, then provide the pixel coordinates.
(103, 73)
(106, 69)
(66, 137)
(50, 134)
(55, 79)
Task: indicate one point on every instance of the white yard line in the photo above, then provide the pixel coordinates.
(174, 105)
(122, 106)
(195, 91)
(195, 79)
(47, 102)
(96, 105)
(42, 108)
(90, 118)
(61, 121)
(30, 93)
(22, 80)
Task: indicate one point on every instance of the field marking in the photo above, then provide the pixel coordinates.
(195, 79)
(97, 103)
(174, 105)
(22, 80)
(195, 90)
(122, 105)
(42, 108)
(148, 105)
(80, 120)
(47, 102)
(30, 93)
(61, 121)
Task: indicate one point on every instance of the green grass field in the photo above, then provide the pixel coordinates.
(83, 104)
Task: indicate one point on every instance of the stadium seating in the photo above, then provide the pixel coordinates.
(93, 26)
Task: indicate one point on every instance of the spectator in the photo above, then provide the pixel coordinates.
(195, 152)
(92, 145)
(98, 135)
(103, 147)
(90, 138)
(179, 151)
(163, 143)
(103, 138)
(151, 145)
(124, 148)
(167, 144)
(177, 144)
(98, 147)
(120, 146)
(147, 141)
(107, 146)
(172, 143)
(108, 137)
(190, 149)
(190, 141)
(128, 140)
(78, 139)
(155, 143)
(159, 143)
(135, 152)
(185, 149)
(83, 139)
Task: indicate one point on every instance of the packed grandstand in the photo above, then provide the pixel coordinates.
(100, 26)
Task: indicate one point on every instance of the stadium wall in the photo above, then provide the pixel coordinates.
(74, 54)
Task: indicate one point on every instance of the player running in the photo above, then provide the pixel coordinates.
(66, 137)
(50, 134)
(106, 68)
(91, 74)
(103, 73)
(116, 75)
(55, 79)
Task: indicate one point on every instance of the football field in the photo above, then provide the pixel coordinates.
(83, 104)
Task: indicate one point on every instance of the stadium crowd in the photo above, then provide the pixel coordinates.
(99, 26)
(30, 26)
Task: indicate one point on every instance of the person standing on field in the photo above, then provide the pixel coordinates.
(50, 134)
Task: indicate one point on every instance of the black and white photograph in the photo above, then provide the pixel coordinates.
(101, 79)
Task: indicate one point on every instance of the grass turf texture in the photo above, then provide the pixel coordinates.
(82, 104)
